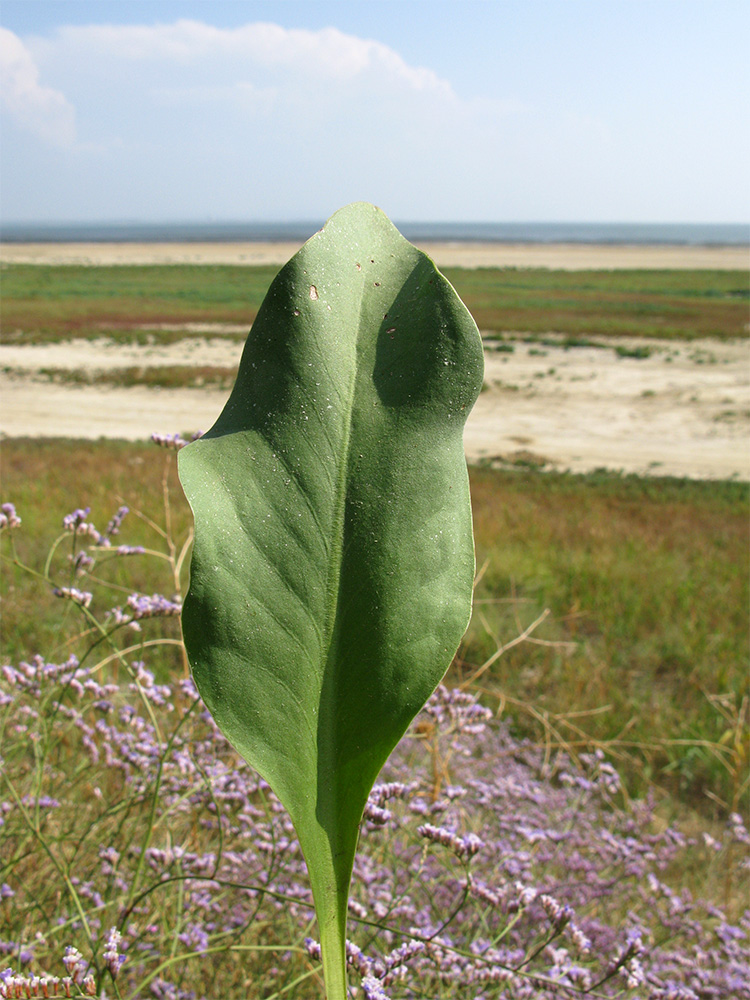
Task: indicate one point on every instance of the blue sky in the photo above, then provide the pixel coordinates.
(497, 110)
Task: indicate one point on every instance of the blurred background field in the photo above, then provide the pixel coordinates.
(644, 650)
(42, 303)
(645, 647)
(610, 629)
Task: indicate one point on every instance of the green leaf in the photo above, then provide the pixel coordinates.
(332, 572)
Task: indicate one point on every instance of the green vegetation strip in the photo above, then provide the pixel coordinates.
(664, 304)
(157, 377)
(42, 303)
(646, 581)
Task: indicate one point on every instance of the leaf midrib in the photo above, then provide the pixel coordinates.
(334, 568)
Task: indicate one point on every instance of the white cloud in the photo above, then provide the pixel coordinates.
(186, 82)
(241, 94)
(175, 82)
(41, 110)
(186, 119)
(327, 54)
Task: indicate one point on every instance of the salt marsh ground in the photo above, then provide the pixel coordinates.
(605, 373)
(629, 368)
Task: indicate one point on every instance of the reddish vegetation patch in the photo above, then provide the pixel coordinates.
(24, 322)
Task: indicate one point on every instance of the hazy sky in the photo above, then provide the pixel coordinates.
(498, 110)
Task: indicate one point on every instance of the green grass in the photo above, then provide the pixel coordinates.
(668, 304)
(59, 302)
(55, 303)
(47, 479)
(646, 581)
(159, 376)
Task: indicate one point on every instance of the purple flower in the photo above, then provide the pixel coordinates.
(174, 441)
(111, 954)
(82, 562)
(113, 528)
(73, 962)
(312, 947)
(8, 517)
(373, 989)
(737, 829)
(82, 597)
(76, 521)
(463, 847)
(142, 606)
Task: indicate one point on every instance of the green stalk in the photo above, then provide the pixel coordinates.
(333, 949)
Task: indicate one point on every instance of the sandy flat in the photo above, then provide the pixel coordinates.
(566, 256)
(682, 411)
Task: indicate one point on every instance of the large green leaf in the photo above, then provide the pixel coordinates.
(332, 572)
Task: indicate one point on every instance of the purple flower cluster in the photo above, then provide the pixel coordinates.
(8, 517)
(77, 523)
(375, 811)
(143, 606)
(37, 675)
(82, 597)
(82, 559)
(143, 858)
(174, 441)
(457, 712)
(112, 957)
(516, 880)
(20, 986)
(140, 606)
(463, 847)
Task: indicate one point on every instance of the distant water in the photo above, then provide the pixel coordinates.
(676, 234)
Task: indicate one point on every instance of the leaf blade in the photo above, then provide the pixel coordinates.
(333, 562)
